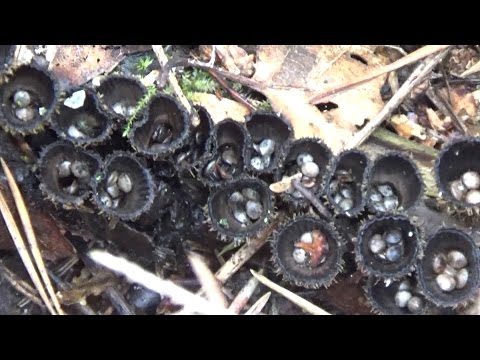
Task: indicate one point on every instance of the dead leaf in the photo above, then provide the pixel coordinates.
(291, 74)
(284, 184)
(463, 102)
(75, 65)
(435, 122)
(236, 60)
(220, 109)
(407, 128)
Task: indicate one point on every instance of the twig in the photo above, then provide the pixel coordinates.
(23, 252)
(406, 60)
(259, 304)
(307, 194)
(209, 283)
(31, 238)
(247, 251)
(20, 285)
(232, 92)
(177, 62)
(413, 80)
(390, 138)
(244, 295)
(163, 60)
(138, 275)
(294, 298)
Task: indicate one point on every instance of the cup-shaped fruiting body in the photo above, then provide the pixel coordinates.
(196, 147)
(269, 134)
(124, 188)
(457, 173)
(66, 172)
(226, 153)
(449, 272)
(164, 128)
(394, 183)
(241, 208)
(119, 95)
(28, 98)
(401, 297)
(308, 252)
(81, 120)
(347, 181)
(388, 246)
(309, 157)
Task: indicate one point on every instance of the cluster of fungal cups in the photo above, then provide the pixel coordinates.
(307, 250)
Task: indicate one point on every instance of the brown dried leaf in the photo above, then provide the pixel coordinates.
(220, 109)
(463, 102)
(435, 122)
(236, 60)
(292, 74)
(407, 128)
(75, 65)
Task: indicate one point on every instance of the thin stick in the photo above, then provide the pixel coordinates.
(307, 194)
(138, 275)
(406, 60)
(21, 286)
(163, 60)
(259, 305)
(31, 238)
(232, 92)
(247, 251)
(245, 294)
(294, 298)
(387, 137)
(413, 80)
(23, 252)
(210, 284)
